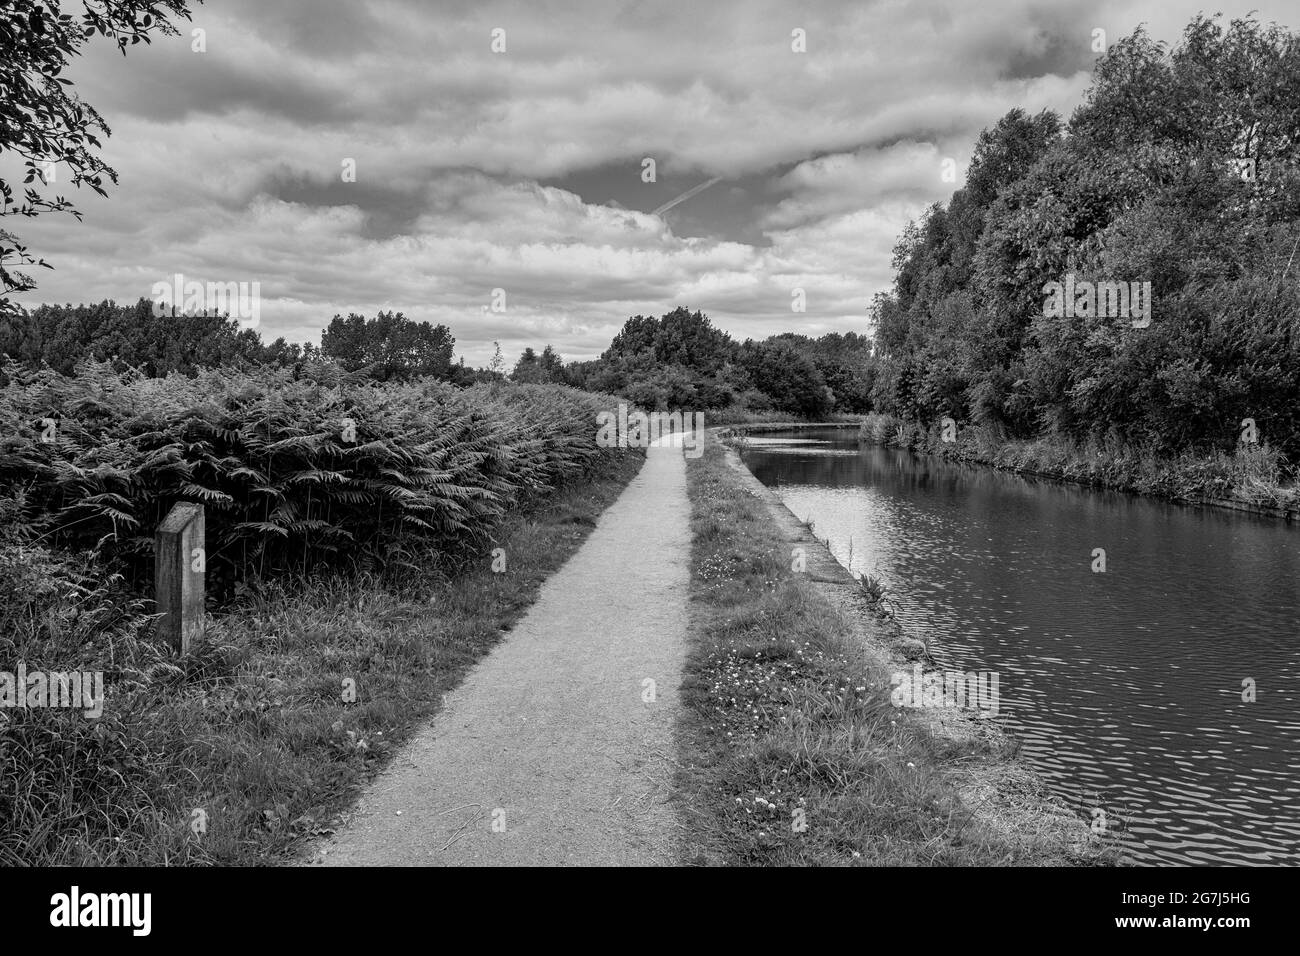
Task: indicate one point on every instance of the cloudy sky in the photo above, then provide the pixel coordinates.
(524, 170)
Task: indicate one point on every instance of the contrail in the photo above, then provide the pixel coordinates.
(685, 196)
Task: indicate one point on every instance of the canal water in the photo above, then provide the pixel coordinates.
(1126, 686)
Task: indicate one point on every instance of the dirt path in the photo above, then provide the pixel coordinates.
(549, 753)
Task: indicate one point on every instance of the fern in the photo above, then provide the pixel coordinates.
(434, 471)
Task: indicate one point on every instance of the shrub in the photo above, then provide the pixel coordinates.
(292, 473)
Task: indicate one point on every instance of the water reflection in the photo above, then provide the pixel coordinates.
(1125, 686)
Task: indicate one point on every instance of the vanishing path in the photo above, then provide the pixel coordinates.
(549, 734)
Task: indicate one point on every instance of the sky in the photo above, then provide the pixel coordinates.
(524, 169)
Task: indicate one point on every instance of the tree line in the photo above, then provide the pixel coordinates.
(1182, 170)
(678, 360)
(389, 347)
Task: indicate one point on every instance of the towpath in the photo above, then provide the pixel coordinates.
(557, 749)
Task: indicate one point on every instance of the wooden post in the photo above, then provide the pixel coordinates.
(180, 561)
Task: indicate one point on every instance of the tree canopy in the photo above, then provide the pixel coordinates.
(389, 346)
(43, 120)
(1145, 183)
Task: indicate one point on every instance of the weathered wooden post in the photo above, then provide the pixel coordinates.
(180, 561)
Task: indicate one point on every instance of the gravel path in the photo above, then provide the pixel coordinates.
(549, 753)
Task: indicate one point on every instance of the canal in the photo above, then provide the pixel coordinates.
(1131, 688)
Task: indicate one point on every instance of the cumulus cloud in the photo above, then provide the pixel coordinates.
(522, 170)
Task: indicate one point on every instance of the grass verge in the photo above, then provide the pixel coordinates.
(791, 751)
(245, 748)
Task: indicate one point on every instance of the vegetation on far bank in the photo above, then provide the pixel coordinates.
(1175, 171)
(1253, 475)
(681, 360)
(791, 750)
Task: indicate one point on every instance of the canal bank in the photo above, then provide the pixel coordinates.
(1145, 649)
(1247, 481)
(793, 749)
(1189, 481)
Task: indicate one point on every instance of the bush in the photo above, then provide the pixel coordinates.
(292, 473)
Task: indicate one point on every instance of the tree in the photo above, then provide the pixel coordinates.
(539, 369)
(345, 340)
(526, 368)
(551, 363)
(681, 361)
(389, 346)
(61, 336)
(680, 337)
(1141, 188)
(844, 362)
(43, 120)
(788, 378)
